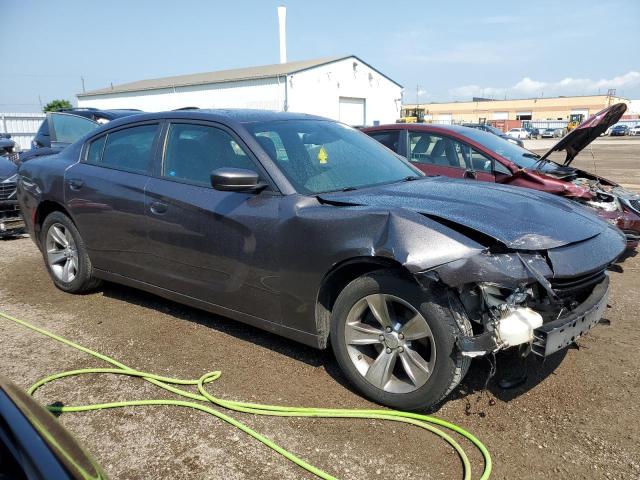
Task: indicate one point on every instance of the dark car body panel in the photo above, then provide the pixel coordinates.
(41, 447)
(495, 210)
(264, 258)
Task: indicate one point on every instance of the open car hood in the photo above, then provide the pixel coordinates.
(520, 218)
(588, 131)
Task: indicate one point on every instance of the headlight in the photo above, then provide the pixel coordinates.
(632, 204)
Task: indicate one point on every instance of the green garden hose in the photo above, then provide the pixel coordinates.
(423, 421)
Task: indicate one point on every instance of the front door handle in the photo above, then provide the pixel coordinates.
(158, 208)
(75, 183)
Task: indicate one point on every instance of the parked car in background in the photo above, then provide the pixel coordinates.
(10, 220)
(64, 127)
(620, 130)
(634, 130)
(495, 131)
(308, 228)
(462, 152)
(35, 445)
(552, 132)
(533, 132)
(520, 133)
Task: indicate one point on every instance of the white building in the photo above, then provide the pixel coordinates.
(341, 88)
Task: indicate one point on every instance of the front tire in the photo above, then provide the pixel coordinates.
(65, 255)
(395, 342)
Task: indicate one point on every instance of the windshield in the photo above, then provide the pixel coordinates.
(518, 155)
(320, 156)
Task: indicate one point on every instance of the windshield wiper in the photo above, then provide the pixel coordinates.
(348, 189)
(410, 178)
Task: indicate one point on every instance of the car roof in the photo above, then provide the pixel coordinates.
(230, 115)
(110, 114)
(426, 127)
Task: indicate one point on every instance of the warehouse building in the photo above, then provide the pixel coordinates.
(342, 88)
(482, 110)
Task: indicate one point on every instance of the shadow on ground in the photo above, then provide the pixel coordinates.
(484, 373)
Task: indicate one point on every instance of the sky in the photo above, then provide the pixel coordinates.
(440, 51)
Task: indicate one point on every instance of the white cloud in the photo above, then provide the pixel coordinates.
(566, 86)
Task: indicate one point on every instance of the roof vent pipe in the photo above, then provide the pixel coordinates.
(282, 28)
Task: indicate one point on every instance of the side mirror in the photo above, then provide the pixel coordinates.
(235, 180)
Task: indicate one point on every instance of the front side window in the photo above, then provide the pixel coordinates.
(321, 156)
(129, 149)
(518, 155)
(192, 152)
(434, 149)
(388, 139)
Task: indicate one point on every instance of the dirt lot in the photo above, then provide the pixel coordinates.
(577, 416)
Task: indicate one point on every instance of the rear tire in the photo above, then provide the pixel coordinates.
(65, 255)
(414, 363)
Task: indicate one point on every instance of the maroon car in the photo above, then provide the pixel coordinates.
(463, 152)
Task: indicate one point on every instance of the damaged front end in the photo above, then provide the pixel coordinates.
(612, 203)
(540, 302)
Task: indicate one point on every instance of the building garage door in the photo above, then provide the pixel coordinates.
(352, 111)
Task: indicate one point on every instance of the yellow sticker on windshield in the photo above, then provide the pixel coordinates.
(322, 155)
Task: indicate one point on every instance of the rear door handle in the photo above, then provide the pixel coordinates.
(158, 208)
(75, 183)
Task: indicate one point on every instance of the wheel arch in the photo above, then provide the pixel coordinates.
(339, 277)
(45, 208)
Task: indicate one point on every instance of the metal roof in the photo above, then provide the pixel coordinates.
(250, 73)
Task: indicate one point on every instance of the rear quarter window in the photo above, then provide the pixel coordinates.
(130, 149)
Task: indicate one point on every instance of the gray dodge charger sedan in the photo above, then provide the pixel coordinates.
(308, 228)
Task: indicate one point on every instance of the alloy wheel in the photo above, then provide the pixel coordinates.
(62, 254)
(390, 343)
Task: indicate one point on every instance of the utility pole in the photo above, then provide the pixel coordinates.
(417, 102)
(40, 101)
(82, 80)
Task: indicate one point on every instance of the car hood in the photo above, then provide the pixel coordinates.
(588, 131)
(7, 168)
(521, 219)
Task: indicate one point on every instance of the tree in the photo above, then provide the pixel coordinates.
(55, 105)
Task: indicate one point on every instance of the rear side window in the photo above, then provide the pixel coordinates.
(192, 152)
(129, 149)
(95, 150)
(388, 139)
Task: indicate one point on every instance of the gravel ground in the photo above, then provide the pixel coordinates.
(575, 417)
